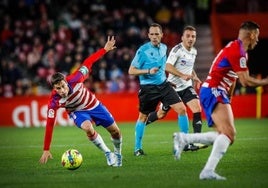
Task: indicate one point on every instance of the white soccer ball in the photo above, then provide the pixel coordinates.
(71, 159)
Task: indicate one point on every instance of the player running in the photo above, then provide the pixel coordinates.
(215, 93)
(180, 66)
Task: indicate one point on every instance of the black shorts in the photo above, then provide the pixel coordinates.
(151, 95)
(186, 95)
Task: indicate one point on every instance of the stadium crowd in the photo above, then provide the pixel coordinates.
(40, 37)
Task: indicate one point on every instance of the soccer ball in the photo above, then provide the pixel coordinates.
(71, 159)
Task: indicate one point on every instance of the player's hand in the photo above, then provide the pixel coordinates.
(186, 77)
(197, 83)
(110, 44)
(153, 70)
(45, 156)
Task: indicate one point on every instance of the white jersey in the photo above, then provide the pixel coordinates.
(183, 60)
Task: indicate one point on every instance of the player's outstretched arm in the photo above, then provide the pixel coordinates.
(247, 80)
(109, 45)
(45, 156)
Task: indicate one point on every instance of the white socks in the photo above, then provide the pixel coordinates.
(98, 141)
(204, 138)
(219, 148)
(220, 145)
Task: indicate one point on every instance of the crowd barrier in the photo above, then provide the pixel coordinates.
(30, 111)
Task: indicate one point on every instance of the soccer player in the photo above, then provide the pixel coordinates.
(84, 108)
(180, 64)
(149, 64)
(229, 65)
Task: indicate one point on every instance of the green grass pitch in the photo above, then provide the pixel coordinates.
(245, 164)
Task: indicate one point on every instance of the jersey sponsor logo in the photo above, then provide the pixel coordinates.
(51, 113)
(243, 62)
(183, 62)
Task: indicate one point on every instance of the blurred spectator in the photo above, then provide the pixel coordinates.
(163, 16)
(116, 72)
(116, 85)
(23, 87)
(11, 75)
(65, 65)
(6, 34)
(132, 84)
(102, 72)
(177, 23)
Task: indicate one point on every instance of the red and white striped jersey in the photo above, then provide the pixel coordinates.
(79, 97)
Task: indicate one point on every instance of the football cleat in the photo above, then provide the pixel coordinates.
(201, 146)
(179, 144)
(210, 175)
(110, 158)
(191, 147)
(118, 160)
(139, 152)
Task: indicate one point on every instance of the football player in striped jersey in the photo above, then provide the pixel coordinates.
(83, 107)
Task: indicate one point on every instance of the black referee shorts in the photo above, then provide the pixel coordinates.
(151, 95)
(186, 95)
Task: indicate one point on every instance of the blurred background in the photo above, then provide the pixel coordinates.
(39, 37)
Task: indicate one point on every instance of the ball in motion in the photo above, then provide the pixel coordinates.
(71, 159)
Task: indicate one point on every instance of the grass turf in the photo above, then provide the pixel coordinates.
(245, 164)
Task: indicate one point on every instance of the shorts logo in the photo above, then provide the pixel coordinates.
(51, 113)
(243, 62)
(165, 108)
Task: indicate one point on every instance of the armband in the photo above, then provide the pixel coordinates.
(84, 70)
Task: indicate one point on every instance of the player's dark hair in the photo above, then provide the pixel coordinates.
(188, 27)
(56, 78)
(156, 25)
(249, 25)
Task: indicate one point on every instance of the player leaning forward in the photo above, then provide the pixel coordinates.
(229, 64)
(84, 108)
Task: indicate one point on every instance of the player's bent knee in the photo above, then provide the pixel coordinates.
(231, 136)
